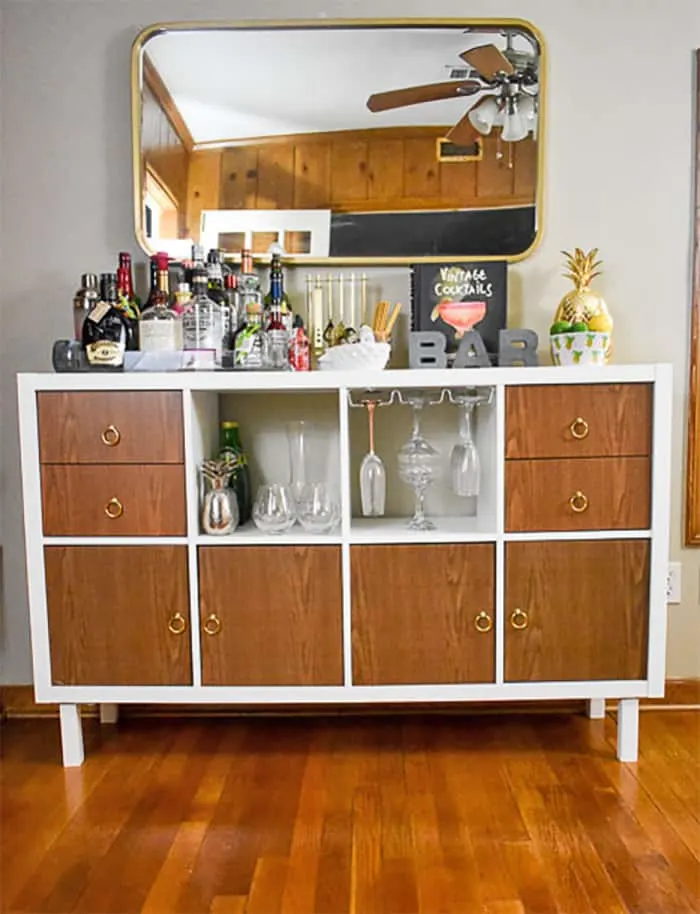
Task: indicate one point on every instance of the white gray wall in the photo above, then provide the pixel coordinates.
(618, 177)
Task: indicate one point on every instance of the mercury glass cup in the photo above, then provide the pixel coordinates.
(419, 465)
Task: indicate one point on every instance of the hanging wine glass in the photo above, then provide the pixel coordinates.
(372, 474)
(465, 467)
(419, 465)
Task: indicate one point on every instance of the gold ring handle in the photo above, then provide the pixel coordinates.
(483, 622)
(177, 624)
(579, 428)
(212, 626)
(578, 502)
(519, 619)
(114, 508)
(111, 436)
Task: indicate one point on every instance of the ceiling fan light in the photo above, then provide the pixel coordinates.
(515, 127)
(483, 115)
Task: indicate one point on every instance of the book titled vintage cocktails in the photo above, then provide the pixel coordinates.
(456, 297)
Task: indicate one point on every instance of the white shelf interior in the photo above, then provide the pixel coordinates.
(440, 426)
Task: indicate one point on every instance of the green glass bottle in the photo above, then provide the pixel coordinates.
(230, 444)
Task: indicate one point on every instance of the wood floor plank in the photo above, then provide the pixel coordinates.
(446, 814)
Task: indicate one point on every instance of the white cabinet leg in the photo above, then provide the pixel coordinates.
(109, 714)
(628, 729)
(71, 736)
(596, 708)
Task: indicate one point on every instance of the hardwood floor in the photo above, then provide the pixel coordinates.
(474, 815)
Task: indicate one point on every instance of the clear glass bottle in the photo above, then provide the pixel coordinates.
(161, 328)
(249, 343)
(202, 325)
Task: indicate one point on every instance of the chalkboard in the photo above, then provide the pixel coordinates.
(455, 233)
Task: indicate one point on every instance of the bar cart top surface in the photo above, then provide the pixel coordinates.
(336, 380)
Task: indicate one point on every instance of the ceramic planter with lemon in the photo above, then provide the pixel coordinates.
(582, 330)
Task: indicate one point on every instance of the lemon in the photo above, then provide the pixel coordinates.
(600, 323)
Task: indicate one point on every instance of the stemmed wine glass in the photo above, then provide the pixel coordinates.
(372, 474)
(419, 464)
(465, 467)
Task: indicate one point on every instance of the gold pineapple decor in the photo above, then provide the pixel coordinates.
(582, 320)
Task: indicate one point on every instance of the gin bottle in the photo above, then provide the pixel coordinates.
(202, 325)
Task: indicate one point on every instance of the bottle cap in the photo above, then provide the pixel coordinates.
(162, 260)
(229, 425)
(88, 280)
(124, 259)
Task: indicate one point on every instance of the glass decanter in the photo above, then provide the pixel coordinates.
(419, 465)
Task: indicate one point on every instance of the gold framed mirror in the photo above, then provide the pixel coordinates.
(341, 141)
(692, 504)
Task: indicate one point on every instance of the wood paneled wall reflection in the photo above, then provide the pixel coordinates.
(389, 169)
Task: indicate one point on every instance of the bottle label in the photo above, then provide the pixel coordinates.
(99, 311)
(105, 352)
(161, 336)
(202, 329)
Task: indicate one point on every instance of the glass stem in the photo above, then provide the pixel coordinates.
(419, 511)
(466, 429)
(415, 431)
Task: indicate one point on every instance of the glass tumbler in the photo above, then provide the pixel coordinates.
(273, 511)
(317, 510)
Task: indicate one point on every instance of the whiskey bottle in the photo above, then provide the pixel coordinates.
(104, 332)
(161, 328)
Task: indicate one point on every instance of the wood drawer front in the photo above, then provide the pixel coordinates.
(144, 500)
(118, 615)
(544, 421)
(610, 493)
(271, 615)
(120, 427)
(576, 610)
(416, 613)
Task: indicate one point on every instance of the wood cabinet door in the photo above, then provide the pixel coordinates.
(118, 615)
(591, 493)
(578, 420)
(423, 614)
(127, 426)
(576, 610)
(271, 615)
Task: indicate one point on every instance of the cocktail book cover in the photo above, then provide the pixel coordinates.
(456, 297)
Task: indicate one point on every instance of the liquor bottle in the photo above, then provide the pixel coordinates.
(276, 294)
(84, 301)
(215, 291)
(299, 347)
(249, 342)
(230, 446)
(127, 300)
(104, 333)
(276, 341)
(233, 300)
(182, 298)
(161, 328)
(201, 323)
(158, 262)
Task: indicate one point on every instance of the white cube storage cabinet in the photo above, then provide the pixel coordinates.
(555, 589)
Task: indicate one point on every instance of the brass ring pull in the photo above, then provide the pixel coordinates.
(519, 619)
(213, 625)
(578, 502)
(114, 508)
(483, 622)
(177, 624)
(579, 428)
(111, 436)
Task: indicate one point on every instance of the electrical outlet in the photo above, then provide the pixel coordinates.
(673, 583)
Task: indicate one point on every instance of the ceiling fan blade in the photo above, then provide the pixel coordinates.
(414, 95)
(463, 133)
(488, 61)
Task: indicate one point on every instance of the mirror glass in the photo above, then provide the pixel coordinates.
(339, 140)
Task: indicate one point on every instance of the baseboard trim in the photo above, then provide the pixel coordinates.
(18, 702)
